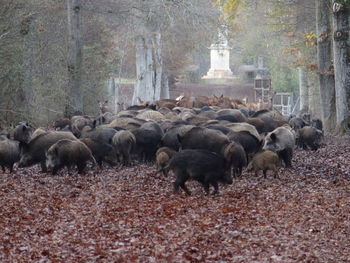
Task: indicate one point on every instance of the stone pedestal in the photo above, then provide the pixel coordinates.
(219, 62)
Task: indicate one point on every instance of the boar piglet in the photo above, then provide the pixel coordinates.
(264, 161)
(201, 165)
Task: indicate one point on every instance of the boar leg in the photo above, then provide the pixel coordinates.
(216, 187)
(180, 182)
(11, 168)
(55, 170)
(206, 187)
(81, 167)
(184, 187)
(265, 171)
(3, 168)
(43, 167)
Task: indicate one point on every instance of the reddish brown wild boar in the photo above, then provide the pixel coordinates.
(163, 155)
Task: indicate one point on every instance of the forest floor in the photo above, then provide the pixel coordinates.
(132, 215)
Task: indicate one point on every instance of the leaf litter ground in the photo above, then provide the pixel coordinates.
(132, 215)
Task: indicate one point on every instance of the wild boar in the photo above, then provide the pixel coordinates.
(124, 142)
(265, 160)
(34, 152)
(201, 165)
(68, 153)
(9, 153)
(310, 137)
(170, 138)
(101, 151)
(23, 132)
(282, 142)
(238, 158)
(163, 155)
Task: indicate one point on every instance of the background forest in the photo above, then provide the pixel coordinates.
(39, 41)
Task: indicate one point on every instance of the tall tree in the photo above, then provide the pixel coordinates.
(74, 103)
(341, 63)
(325, 64)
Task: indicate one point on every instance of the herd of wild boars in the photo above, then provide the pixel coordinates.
(209, 140)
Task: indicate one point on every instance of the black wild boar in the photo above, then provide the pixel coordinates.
(170, 138)
(264, 161)
(147, 142)
(317, 123)
(310, 137)
(124, 142)
(100, 134)
(34, 152)
(68, 153)
(201, 165)
(282, 142)
(250, 143)
(206, 139)
(9, 153)
(102, 152)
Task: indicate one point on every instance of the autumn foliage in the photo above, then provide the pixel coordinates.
(132, 215)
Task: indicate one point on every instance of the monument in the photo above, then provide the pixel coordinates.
(220, 58)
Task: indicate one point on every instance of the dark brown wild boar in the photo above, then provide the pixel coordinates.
(68, 153)
(310, 137)
(34, 152)
(201, 165)
(124, 142)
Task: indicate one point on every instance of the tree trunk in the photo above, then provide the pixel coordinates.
(74, 103)
(29, 68)
(303, 90)
(149, 68)
(314, 96)
(341, 65)
(158, 62)
(325, 66)
(164, 92)
(111, 91)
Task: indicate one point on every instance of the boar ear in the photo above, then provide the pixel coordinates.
(24, 128)
(273, 137)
